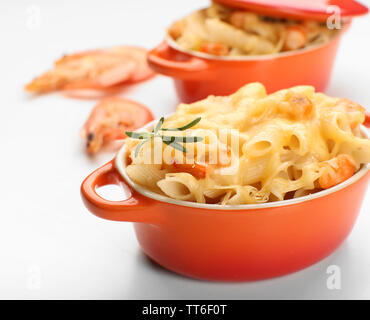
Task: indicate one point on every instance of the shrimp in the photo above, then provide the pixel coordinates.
(96, 69)
(176, 29)
(355, 112)
(250, 22)
(297, 106)
(336, 170)
(110, 119)
(237, 19)
(295, 38)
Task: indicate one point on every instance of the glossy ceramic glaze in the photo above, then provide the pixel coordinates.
(230, 243)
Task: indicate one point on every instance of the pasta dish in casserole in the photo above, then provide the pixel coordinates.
(223, 31)
(252, 147)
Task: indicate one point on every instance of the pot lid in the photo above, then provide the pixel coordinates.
(300, 9)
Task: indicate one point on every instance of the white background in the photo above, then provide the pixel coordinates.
(50, 245)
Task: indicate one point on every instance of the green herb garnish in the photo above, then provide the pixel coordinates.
(173, 141)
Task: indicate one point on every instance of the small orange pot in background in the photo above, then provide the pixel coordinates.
(197, 75)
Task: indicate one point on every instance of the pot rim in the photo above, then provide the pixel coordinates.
(120, 164)
(172, 43)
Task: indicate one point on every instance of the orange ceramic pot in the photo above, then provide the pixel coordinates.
(197, 75)
(230, 243)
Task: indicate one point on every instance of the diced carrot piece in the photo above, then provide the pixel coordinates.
(196, 169)
(217, 49)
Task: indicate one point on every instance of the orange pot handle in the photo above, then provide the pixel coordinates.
(137, 208)
(166, 60)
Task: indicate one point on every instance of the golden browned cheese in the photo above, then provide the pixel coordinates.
(286, 144)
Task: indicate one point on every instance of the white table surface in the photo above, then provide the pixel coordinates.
(50, 245)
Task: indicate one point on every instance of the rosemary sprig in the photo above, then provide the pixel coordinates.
(173, 141)
(187, 126)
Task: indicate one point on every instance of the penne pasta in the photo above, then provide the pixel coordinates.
(220, 30)
(181, 186)
(254, 147)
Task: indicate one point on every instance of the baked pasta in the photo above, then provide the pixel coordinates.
(255, 147)
(223, 31)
